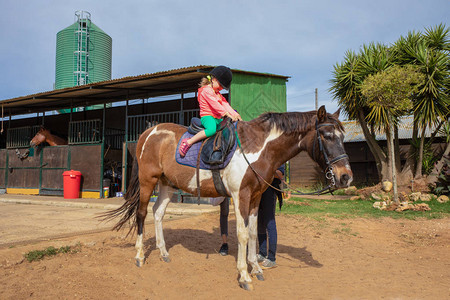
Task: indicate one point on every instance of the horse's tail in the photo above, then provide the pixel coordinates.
(127, 212)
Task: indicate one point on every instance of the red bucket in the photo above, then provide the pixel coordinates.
(72, 181)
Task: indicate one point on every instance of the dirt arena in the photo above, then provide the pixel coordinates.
(317, 259)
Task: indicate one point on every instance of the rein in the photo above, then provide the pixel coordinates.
(329, 174)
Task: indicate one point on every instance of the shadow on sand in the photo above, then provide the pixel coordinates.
(209, 243)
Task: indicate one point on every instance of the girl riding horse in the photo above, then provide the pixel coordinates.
(265, 143)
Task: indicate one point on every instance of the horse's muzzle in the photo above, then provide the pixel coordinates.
(345, 180)
(343, 177)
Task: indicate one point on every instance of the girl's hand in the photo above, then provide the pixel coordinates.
(232, 117)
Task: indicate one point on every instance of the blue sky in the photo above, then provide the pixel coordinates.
(301, 39)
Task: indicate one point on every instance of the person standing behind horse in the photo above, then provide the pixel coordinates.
(267, 227)
(224, 203)
(213, 106)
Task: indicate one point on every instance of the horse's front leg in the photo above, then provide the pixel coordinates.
(253, 234)
(245, 280)
(159, 209)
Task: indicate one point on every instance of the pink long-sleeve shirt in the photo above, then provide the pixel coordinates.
(212, 103)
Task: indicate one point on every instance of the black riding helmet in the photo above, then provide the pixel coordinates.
(223, 75)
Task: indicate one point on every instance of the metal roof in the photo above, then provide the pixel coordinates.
(354, 133)
(183, 80)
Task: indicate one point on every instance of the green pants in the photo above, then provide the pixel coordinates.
(210, 123)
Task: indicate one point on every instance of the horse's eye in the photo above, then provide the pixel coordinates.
(328, 136)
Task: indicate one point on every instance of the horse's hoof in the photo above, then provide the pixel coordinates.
(139, 262)
(165, 259)
(246, 286)
(260, 277)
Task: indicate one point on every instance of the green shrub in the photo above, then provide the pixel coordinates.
(50, 251)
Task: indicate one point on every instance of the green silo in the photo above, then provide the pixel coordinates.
(83, 53)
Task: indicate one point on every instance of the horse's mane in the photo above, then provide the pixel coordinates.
(295, 122)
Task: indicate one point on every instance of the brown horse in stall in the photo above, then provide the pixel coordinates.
(44, 135)
(266, 142)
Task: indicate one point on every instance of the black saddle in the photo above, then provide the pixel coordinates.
(215, 148)
(196, 126)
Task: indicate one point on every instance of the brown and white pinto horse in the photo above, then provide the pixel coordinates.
(44, 135)
(267, 141)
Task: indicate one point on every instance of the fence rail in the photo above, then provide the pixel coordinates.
(114, 138)
(85, 132)
(139, 123)
(20, 137)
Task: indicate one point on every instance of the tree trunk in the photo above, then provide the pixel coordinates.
(433, 177)
(420, 159)
(435, 132)
(407, 173)
(378, 154)
(398, 162)
(392, 158)
(390, 149)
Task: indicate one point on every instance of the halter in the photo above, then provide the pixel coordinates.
(329, 174)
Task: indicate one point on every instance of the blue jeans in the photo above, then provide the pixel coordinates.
(267, 227)
(224, 211)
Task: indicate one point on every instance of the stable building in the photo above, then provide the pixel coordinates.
(101, 142)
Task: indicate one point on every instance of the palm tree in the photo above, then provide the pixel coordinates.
(346, 88)
(430, 53)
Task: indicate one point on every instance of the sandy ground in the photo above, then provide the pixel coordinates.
(317, 259)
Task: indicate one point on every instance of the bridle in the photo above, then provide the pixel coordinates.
(329, 174)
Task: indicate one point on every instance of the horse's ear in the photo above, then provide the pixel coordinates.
(337, 113)
(322, 114)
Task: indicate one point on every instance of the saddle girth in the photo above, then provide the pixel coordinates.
(218, 183)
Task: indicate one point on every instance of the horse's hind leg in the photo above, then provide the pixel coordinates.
(159, 209)
(146, 191)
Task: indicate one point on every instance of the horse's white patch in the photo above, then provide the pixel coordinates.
(203, 174)
(159, 209)
(140, 247)
(253, 234)
(153, 132)
(146, 139)
(273, 135)
(139, 242)
(234, 173)
(253, 223)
